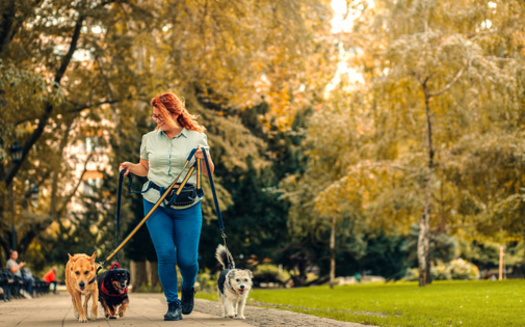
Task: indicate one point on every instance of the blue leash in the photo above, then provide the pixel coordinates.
(119, 197)
(219, 218)
(200, 193)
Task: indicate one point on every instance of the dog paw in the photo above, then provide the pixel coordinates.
(113, 317)
(230, 316)
(241, 317)
(82, 319)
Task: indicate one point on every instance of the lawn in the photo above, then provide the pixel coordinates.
(443, 303)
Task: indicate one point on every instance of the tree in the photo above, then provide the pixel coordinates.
(433, 71)
(39, 109)
(98, 61)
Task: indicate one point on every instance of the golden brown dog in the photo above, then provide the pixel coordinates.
(81, 279)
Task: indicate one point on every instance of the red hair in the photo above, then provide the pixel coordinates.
(169, 104)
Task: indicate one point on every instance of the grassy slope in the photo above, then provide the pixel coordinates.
(446, 303)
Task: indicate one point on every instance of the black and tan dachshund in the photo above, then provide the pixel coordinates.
(113, 291)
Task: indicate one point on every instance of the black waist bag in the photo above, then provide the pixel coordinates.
(187, 195)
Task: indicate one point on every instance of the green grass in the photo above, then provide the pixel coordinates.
(443, 303)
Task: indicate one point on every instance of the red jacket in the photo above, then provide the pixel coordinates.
(50, 276)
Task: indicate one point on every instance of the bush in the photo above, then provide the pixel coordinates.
(206, 282)
(267, 273)
(455, 269)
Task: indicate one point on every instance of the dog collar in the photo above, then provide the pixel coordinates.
(105, 290)
(93, 280)
(229, 288)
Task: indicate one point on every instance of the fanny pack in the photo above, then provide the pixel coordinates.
(187, 195)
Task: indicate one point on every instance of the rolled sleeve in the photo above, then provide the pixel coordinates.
(144, 148)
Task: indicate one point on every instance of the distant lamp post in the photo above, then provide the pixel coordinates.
(16, 152)
(34, 193)
(16, 156)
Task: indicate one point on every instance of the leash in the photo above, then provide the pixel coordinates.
(157, 204)
(200, 193)
(119, 198)
(219, 217)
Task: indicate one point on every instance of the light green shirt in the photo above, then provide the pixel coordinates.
(167, 157)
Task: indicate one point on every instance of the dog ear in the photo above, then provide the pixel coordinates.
(249, 273)
(128, 276)
(93, 257)
(71, 257)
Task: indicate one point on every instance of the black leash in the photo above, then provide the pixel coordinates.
(219, 218)
(200, 193)
(157, 204)
(119, 198)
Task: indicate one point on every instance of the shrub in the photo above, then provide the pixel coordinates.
(455, 269)
(267, 273)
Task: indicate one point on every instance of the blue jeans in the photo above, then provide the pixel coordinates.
(175, 235)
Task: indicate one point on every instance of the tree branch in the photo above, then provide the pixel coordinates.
(89, 106)
(42, 123)
(70, 196)
(446, 87)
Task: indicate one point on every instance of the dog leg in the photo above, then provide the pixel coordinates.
(85, 306)
(113, 312)
(75, 305)
(230, 308)
(235, 307)
(240, 308)
(94, 306)
(222, 299)
(123, 308)
(223, 308)
(81, 308)
(106, 308)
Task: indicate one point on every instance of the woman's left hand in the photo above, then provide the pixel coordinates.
(199, 154)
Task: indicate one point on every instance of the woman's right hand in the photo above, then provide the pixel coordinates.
(126, 166)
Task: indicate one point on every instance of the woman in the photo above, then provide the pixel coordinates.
(175, 231)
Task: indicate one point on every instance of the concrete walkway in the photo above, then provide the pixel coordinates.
(148, 309)
(144, 310)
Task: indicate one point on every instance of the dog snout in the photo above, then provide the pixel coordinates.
(81, 284)
(242, 287)
(123, 285)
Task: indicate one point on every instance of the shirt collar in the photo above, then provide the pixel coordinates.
(184, 133)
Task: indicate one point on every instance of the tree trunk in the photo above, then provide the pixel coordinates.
(422, 247)
(332, 253)
(153, 272)
(139, 277)
(424, 222)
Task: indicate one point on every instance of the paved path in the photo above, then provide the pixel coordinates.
(147, 310)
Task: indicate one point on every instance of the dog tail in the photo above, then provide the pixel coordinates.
(224, 257)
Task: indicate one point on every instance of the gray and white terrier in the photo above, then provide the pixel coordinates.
(233, 285)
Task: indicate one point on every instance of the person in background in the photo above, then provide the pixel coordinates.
(51, 278)
(175, 231)
(16, 269)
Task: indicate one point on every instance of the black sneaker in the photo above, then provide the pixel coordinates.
(173, 313)
(187, 301)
